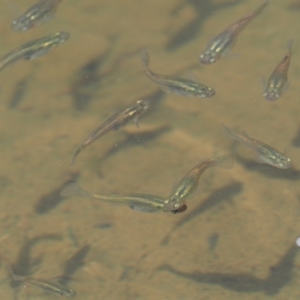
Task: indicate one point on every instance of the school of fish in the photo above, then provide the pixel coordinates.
(185, 189)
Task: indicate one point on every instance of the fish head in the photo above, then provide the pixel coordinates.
(205, 92)
(208, 57)
(144, 104)
(62, 37)
(283, 162)
(173, 204)
(181, 209)
(23, 23)
(271, 94)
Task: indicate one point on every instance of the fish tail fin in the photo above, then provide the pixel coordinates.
(72, 189)
(224, 161)
(261, 8)
(75, 154)
(12, 274)
(145, 58)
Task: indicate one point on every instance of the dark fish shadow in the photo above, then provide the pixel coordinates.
(24, 263)
(267, 170)
(279, 276)
(296, 139)
(294, 6)
(134, 139)
(223, 194)
(203, 10)
(155, 98)
(73, 264)
(51, 200)
(19, 93)
(87, 80)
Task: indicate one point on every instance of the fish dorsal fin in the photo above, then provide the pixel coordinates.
(245, 134)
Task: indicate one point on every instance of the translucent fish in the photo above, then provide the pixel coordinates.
(176, 85)
(136, 201)
(46, 285)
(278, 81)
(34, 49)
(223, 42)
(35, 15)
(265, 153)
(131, 113)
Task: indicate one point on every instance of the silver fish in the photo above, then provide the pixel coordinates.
(35, 15)
(223, 42)
(175, 85)
(34, 49)
(278, 81)
(265, 153)
(137, 201)
(131, 113)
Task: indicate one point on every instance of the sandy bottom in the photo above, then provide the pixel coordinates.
(237, 238)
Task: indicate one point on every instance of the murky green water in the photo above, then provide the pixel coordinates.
(237, 238)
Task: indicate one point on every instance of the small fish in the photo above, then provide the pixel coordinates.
(132, 113)
(186, 187)
(34, 49)
(265, 153)
(223, 42)
(175, 85)
(278, 81)
(46, 285)
(136, 201)
(35, 15)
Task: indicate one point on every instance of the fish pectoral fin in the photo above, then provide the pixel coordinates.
(165, 88)
(136, 122)
(286, 86)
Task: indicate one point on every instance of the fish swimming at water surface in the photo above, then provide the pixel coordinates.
(223, 42)
(175, 85)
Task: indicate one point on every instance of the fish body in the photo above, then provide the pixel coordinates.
(137, 201)
(53, 287)
(132, 113)
(35, 15)
(278, 81)
(265, 153)
(186, 187)
(34, 49)
(176, 85)
(223, 42)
